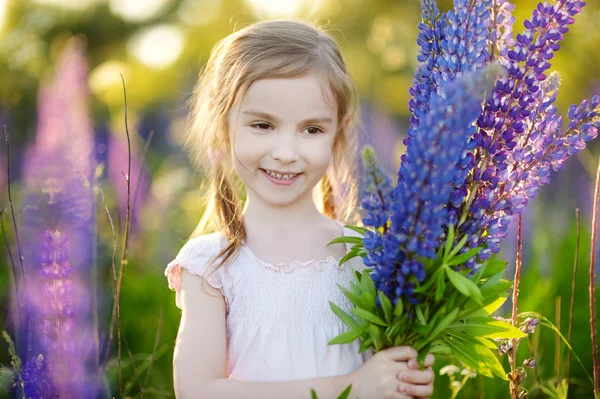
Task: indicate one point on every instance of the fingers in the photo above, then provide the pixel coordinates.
(417, 391)
(414, 365)
(400, 353)
(416, 376)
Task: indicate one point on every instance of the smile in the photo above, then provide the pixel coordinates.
(285, 180)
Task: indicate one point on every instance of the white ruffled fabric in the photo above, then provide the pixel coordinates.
(278, 316)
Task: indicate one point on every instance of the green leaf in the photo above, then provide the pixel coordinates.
(359, 230)
(346, 393)
(368, 301)
(355, 289)
(486, 327)
(440, 288)
(464, 285)
(376, 335)
(313, 394)
(486, 342)
(368, 285)
(444, 323)
(449, 242)
(346, 239)
(368, 316)
(440, 348)
(388, 309)
(490, 308)
(420, 316)
(399, 308)
(494, 267)
(365, 344)
(458, 247)
(486, 359)
(394, 330)
(347, 257)
(428, 282)
(351, 297)
(346, 318)
(349, 336)
(422, 329)
(479, 358)
(460, 259)
(422, 355)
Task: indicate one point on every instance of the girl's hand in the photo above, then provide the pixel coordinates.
(378, 376)
(417, 383)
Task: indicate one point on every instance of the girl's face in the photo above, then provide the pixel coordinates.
(283, 125)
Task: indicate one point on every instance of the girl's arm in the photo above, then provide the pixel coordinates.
(200, 355)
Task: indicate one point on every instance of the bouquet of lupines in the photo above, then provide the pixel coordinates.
(484, 136)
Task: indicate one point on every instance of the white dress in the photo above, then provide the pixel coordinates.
(278, 316)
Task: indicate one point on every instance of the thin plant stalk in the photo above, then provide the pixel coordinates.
(139, 177)
(512, 354)
(591, 287)
(572, 306)
(117, 295)
(557, 338)
(155, 349)
(114, 268)
(20, 301)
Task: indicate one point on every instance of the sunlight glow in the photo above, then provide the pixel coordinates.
(138, 10)
(73, 5)
(158, 46)
(284, 8)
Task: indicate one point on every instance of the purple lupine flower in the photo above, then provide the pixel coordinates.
(515, 130)
(501, 30)
(465, 44)
(377, 202)
(424, 186)
(58, 197)
(36, 383)
(431, 34)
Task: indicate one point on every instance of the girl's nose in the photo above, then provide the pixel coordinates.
(285, 148)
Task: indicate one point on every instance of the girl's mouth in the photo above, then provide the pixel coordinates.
(282, 181)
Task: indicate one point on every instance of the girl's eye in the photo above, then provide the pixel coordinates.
(315, 133)
(261, 124)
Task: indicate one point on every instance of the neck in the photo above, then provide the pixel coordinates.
(281, 218)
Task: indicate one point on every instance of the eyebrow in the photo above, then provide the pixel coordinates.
(319, 119)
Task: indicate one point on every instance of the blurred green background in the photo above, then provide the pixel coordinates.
(159, 46)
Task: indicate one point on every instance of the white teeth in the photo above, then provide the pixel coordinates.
(280, 176)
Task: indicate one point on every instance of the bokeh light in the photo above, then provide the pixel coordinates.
(158, 46)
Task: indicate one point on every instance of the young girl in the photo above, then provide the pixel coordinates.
(274, 117)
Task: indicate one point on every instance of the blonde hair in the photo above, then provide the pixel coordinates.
(268, 49)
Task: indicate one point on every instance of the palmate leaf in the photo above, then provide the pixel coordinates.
(464, 285)
(343, 395)
(376, 335)
(351, 297)
(368, 316)
(349, 336)
(460, 259)
(346, 240)
(368, 285)
(449, 242)
(388, 308)
(476, 356)
(485, 327)
(457, 248)
(346, 318)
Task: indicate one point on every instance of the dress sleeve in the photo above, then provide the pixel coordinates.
(193, 256)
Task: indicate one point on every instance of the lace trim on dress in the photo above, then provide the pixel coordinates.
(318, 265)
